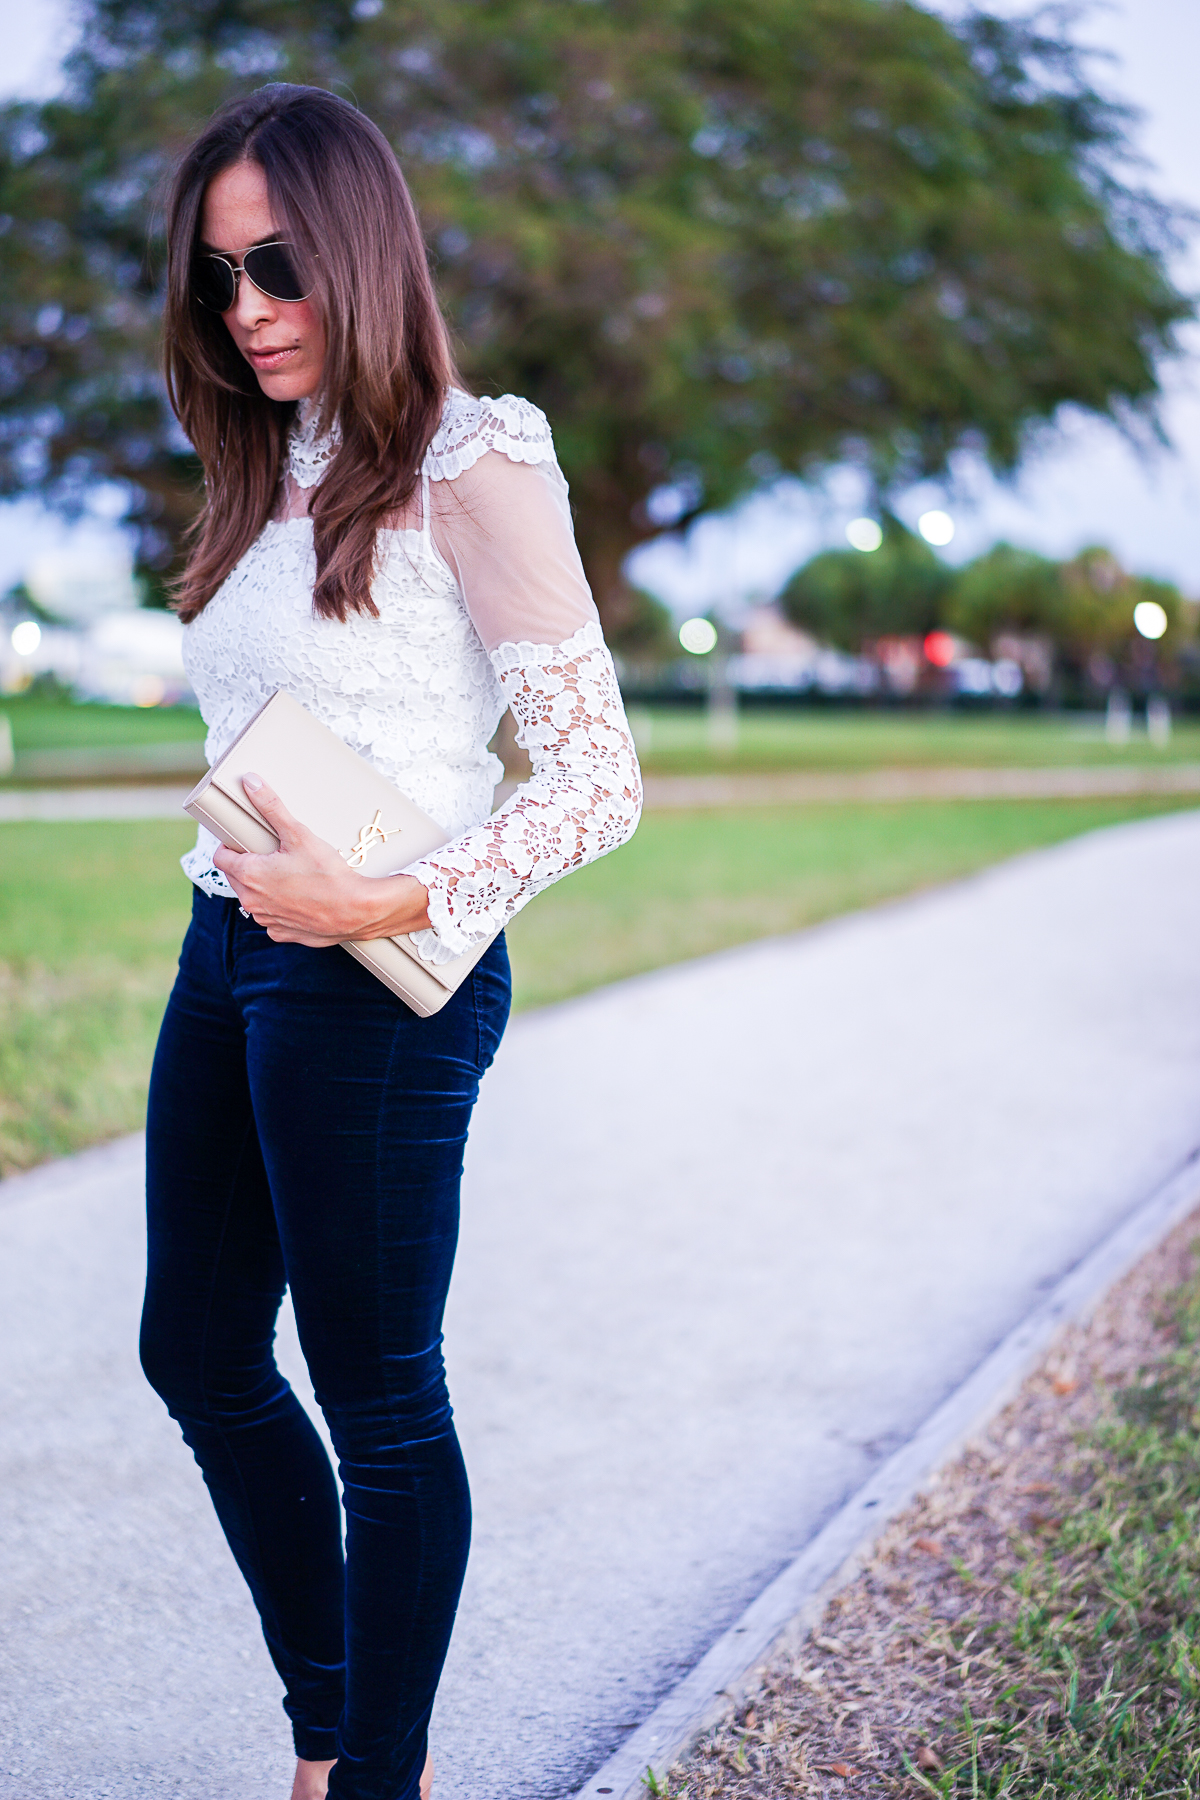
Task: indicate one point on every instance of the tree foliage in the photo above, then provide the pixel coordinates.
(1006, 591)
(713, 238)
(852, 599)
(1084, 607)
(1071, 622)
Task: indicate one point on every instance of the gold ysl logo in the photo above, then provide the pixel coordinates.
(368, 837)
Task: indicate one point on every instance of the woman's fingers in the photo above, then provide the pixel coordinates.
(237, 865)
(230, 864)
(288, 830)
(301, 894)
(279, 934)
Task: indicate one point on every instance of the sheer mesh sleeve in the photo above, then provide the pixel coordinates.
(502, 523)
(504, 528)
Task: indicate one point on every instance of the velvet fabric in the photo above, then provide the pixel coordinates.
(306, 1130)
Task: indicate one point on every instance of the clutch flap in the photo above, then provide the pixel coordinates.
(329, 788)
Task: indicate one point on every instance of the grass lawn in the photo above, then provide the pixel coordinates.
(39, 724)
(676, 739)
(1095, 1681)
(673, 741)
(91, 917)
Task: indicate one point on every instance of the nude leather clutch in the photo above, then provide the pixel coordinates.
(340, 797)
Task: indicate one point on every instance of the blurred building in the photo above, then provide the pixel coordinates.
(80, 620)
(777, 657)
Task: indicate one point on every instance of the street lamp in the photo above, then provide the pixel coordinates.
(936, 527)
(699, 638)
(864, 534)
(1149, 618)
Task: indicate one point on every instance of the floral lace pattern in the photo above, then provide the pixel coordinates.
(308, 454)
(583, 800)
(470, 427)
(197, 864)
(415, 692)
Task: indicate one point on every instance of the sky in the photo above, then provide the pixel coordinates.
(1085, 485)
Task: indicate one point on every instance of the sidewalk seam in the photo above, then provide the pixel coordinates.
(793, 1601)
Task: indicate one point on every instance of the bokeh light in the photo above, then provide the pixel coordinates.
(26, 637)
(939, 649)
(864, 534)
(1149, 618)
(936, 527)
(698, 636)
(149, 690)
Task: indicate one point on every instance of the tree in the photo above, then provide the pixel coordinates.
(1082, 610)
(1006, 591)
(1097, 640)
(852, 598)
(713, 238)
(646, 631)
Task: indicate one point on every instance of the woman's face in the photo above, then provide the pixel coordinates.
(282, 340)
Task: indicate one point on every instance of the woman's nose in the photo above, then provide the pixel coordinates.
(252, 307)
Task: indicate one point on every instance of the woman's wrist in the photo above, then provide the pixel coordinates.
(394, 904)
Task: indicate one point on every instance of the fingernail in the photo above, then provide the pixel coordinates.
(251, 781)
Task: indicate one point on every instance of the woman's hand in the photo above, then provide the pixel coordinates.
(304, 893)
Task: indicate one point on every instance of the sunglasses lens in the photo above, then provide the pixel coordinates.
(214, 283)
(271, 270)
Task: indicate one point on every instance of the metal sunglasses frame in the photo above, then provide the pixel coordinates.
(237, 270)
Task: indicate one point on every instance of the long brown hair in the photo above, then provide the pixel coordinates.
(339, 197)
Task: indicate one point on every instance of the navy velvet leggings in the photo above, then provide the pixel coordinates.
(306, 1130)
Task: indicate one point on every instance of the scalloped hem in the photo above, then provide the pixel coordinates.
(588, 637)
(502, 424)
(443, 939)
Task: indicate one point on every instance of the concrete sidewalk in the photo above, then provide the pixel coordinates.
(674, 793)
(730, 1233)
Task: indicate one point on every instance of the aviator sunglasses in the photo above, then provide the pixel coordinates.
(268, 266)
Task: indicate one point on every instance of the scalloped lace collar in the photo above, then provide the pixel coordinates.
(310, 454)
(467, 430)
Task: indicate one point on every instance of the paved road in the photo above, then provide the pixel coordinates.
(731, 1231)
(672, 793)
(71, 803)
(797, 788)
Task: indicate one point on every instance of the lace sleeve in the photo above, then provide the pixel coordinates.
(583, 799)
(501, 521)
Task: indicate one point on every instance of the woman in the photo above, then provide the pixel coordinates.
(399, 557)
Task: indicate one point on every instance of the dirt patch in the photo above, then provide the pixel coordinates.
(862, 1707)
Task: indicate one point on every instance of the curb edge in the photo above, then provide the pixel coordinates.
(792, 1602)
(117, 1157)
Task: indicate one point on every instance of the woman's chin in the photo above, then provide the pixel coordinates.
(287, 384)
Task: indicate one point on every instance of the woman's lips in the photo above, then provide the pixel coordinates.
(271, 359)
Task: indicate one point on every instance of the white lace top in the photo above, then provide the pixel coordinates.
(482, 603)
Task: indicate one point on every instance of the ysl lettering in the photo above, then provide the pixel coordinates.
(368, 837)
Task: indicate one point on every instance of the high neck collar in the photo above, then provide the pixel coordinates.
(309, 452)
